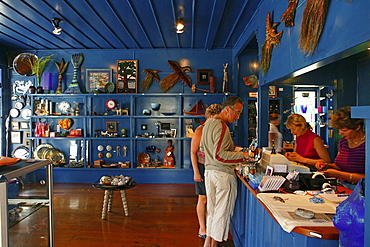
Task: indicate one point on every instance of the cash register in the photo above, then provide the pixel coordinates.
(280, 163)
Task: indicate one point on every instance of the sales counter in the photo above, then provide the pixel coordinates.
(254, 224)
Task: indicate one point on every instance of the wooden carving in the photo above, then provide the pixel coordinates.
(179, 74)
(288, 16)
(272, 39)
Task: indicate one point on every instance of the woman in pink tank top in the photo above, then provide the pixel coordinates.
(309, 147)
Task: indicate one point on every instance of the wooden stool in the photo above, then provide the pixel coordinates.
(108, 195)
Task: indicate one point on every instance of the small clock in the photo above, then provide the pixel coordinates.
(18, 105)
(64, 106)
(110, 104)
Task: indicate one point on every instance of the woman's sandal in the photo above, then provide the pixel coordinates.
(202, 236)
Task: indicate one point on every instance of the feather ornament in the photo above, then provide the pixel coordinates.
(313, 22)
(179, 74)
(151, 75)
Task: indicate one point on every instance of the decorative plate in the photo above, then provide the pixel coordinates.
(14, 112)
(19, 105)
(100, 148)
(109, 155)
(109, 147)
(55, 155)
(40, 149)
(143, 158)
(20, 65)
(109, 87)
(21, 152)
(168, 113)
(26, 114)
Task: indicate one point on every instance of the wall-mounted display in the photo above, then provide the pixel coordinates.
(96, 79)
(272, 91)
(16, 137)
(111, 126)
(127, 76)
(24, 125)
(15, 125)
(203, 76)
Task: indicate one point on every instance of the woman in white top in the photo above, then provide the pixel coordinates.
(274, 133)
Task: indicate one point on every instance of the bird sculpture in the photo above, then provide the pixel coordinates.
(272, 39)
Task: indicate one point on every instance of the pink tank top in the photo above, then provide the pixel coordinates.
(305, 147)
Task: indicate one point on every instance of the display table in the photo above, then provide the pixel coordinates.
(108, 195)
(253, 224)
(21, 169)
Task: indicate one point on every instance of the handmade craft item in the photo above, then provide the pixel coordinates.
(272, 39)
(313, 22)
(151, 75)
(77, 60)
(288, 16)
(251, 81)
(62, 66)
(225, 81)
(169, 81)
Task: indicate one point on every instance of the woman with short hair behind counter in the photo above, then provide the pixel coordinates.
(309, 147)
(349, 165)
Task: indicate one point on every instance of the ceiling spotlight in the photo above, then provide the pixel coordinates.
(57, 30)
(180, 25)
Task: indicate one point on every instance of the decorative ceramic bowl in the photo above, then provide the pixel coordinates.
(155, 106)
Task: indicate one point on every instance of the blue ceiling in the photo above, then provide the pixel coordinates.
(124, 24)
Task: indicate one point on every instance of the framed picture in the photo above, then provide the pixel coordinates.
(111, 126)
(16, 137)
(96, 79)
(15, 125)
(27, 143)
(272, 91)
(173, 133)
(165, 126)
(127, 76)
(25, 125)
(252, 94)
(203, 76)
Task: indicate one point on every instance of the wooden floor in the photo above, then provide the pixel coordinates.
(160, 215)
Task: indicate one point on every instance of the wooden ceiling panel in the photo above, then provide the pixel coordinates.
(124, 24)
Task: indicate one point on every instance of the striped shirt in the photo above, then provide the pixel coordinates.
(350, 159)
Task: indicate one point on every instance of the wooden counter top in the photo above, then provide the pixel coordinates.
(329, 233)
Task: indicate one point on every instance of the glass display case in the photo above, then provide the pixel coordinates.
(26, 188)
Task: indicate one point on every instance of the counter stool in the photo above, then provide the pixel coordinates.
(108, 195)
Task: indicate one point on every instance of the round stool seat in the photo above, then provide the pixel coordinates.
(108, 195)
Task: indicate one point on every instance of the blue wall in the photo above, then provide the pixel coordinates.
(148, 59)
(344, 29)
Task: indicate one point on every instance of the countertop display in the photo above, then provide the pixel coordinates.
(35, 192)
(263, 219)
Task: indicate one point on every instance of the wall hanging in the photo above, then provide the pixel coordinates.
(313, 22)
(272, 39)
(151, 75)
(169, 81)
(288, 16)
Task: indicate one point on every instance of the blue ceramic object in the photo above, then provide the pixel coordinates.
(155, 106)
